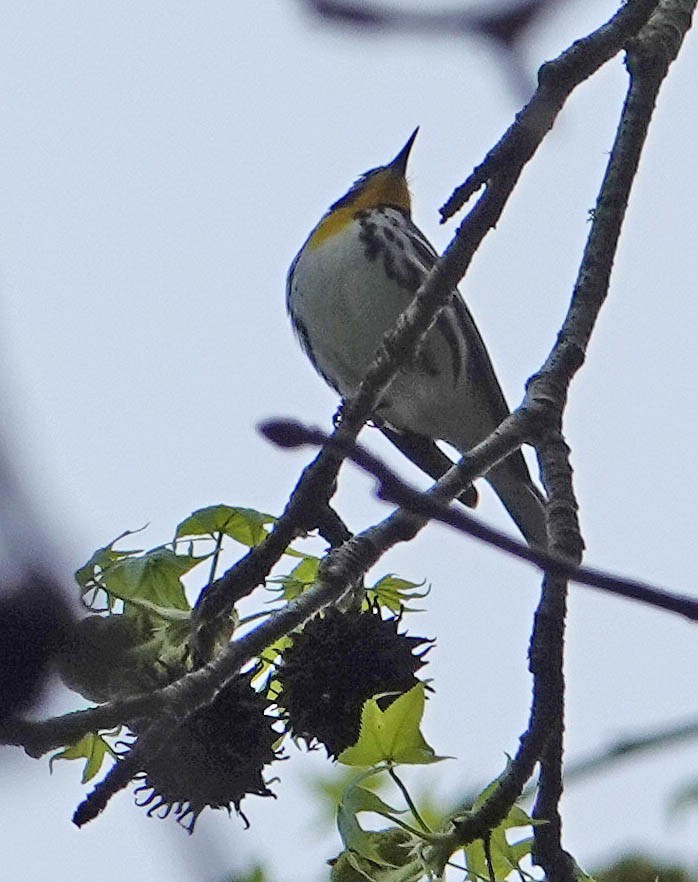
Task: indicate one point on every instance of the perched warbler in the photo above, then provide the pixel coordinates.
(356, 272)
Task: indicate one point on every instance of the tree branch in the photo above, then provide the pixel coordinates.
(648, 60)
(629, 746)
(557, 80)
(433, 505)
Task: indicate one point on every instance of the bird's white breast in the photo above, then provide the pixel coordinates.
(345, 302)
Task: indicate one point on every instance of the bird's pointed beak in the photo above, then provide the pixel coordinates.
(399, 164)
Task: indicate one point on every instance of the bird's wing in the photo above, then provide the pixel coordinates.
(457, 325)
(456, 322)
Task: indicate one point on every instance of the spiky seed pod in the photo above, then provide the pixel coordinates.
(337, 662)
(214, 759)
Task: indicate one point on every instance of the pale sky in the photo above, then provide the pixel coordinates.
(162, 163)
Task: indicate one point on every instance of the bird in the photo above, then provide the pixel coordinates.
(358, 269)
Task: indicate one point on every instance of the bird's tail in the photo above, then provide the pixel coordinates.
(521, 498)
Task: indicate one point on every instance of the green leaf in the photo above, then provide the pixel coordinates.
(328, 790)
(350, 867)
(92, 748)
(476, 862)
(153, 577)
(391, 855)
(392, 735)
(267, 668)
(398, 859)
(353, 835)
(517, 817)
(505, 855)
(393, 592)
(301, 577)
(521, 849)
(88, 576)
(245, 525)
(354, 800)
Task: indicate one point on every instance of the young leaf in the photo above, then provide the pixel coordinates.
(392, 735)
(301, 577)
(354, 800)
(154, 577)
(267, 668)
(393, 592)
(403, 866)
(245, 525)
(92, 748)
(88, 576)
(505, 856)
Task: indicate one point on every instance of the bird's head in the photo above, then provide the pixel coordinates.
(385, 185)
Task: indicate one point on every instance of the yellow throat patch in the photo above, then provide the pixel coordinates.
(381, 187)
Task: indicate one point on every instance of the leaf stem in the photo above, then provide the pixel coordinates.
(408, 799)
(216, 555)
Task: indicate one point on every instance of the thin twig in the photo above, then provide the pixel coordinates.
(557, 79)
(547, 655)
(628, 747)
(431, 505)
(505, 26)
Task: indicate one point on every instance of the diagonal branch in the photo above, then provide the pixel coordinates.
(557, 80)
(433, 505)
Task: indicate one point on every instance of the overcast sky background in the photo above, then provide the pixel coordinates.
(161, 164)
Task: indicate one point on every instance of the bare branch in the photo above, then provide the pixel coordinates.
(505, 26)
(630, 746)
(432, 505)
(37, 737)
(648, 60)
(547, 656)
(556, 81)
